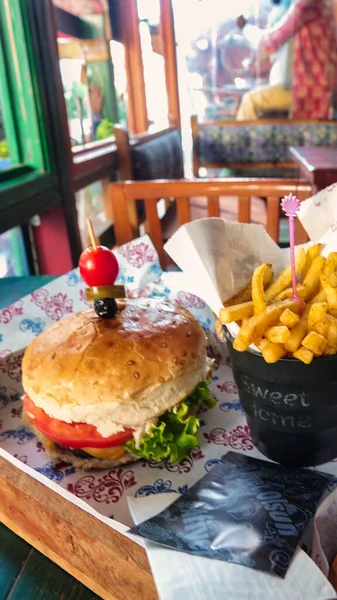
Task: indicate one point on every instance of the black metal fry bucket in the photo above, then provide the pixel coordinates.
(291, 408)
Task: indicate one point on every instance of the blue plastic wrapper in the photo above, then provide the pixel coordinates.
(245, 511)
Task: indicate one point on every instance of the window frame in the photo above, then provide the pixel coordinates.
(22, 122)
(27, 192)
(94, 160)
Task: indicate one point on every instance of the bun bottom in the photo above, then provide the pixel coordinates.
(59, 454)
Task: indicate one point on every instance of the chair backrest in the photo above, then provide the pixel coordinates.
(255, 145)
(150, 155)
(125, 195)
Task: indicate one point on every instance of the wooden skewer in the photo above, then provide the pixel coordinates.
(91, 234)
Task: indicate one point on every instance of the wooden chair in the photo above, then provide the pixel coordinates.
(147, 156)
(125, 195)
(222, 158)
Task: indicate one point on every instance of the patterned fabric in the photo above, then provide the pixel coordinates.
(161, 158)
(261, 143)
(312, 26)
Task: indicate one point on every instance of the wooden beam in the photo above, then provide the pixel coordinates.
(124, 158)
(170, 56)
(195, 138)
(216, 187)
(137, 111)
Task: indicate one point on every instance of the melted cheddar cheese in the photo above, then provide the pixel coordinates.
(106, 453)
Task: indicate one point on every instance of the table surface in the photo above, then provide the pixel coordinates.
(25, 574)
(14, 288)
(320, 158)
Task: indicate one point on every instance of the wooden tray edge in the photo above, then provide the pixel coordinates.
(104, 560)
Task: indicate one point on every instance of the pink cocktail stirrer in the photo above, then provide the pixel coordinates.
(290, 205)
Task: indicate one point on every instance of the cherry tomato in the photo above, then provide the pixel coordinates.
(98, 267)
(72, 435)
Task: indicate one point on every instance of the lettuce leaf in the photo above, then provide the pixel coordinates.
(175, 434)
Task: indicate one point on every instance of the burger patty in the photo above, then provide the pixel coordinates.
(86, 462)
(77, 458)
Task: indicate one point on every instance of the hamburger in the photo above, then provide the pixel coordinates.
(104, 392)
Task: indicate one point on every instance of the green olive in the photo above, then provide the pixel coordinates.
(106, 291)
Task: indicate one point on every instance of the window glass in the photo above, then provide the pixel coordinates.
(13, 260)
(22, 136)
(218, 59)
(86, 69)
(153, 62)
(92, 203)
(4, 151)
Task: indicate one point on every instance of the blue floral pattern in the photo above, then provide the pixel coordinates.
(206, 324)
(74, 278)
(211, 463)
(54, 474)
(123, 278)
(35, 325)
(160, 293)
(21, 434)
(160, 487)
(235, 405)
(8, 395)
(156, 270)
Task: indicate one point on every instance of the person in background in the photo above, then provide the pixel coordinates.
(310, 25)
(277, 91)
(280, 7)
(96, 99)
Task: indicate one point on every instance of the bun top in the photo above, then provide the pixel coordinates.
(85, 360)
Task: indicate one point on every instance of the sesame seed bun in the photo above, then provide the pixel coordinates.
(126, 370)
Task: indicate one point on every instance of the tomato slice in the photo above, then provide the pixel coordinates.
(72, 435)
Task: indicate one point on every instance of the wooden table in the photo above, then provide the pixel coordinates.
(26, 574)
(317, 165)
(14, 288)
(107, 562)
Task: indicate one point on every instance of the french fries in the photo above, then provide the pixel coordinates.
(311, 280)
(255, 328)
(331, 335)
(331, 294)
(271, 352)
(284, 279)
(289, 318)
(297, 334)
(270, 319)
(312, 252)
(278, 334)
(331, 264)
(322, 327)
(245, 294)
(333, 280)
(320, 297)
(304, 354)
(258, 295)
(316, 313)
(236, 312)
(315, 342)
(288, 293)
